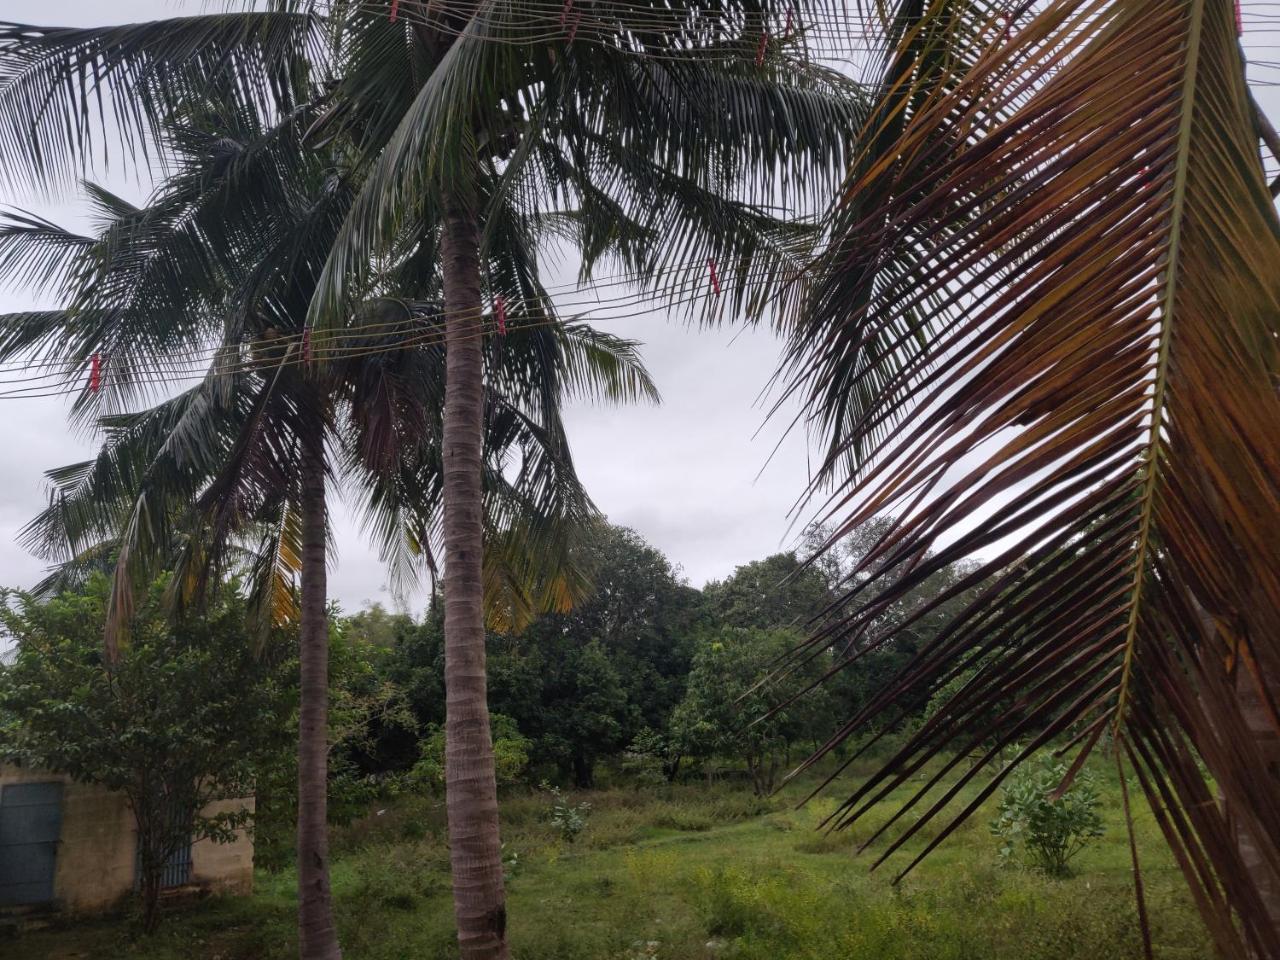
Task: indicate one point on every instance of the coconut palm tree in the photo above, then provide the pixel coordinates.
(210, 281)
(1046, 328)
(664, 129)
(660, 138)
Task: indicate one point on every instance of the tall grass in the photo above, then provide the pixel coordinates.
(688, 872)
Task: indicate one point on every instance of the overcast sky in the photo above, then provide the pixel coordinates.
(683, 474)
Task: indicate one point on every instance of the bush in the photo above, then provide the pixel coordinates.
(651, 759)
(569, 819)
(510, 754)
(1049, 831)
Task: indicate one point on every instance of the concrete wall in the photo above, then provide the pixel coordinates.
(96, 857)
(224, 866)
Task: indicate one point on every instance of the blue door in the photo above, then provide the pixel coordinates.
(177, 869)
(30, 823)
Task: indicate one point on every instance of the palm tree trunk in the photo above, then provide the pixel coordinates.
(317, 937)
(1258, 717)
(475, 852)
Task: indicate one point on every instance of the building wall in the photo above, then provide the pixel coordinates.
(224, 866)
(96, 857)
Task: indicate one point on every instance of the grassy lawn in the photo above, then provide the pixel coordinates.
(692, 871)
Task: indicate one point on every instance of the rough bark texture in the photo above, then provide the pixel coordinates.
(1259, 718)
(475, 852)
(317, 937)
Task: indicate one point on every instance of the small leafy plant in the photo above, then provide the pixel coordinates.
(511, 863)
(568, 818)
(1047, 832)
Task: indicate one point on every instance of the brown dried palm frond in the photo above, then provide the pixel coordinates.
(1046, 330)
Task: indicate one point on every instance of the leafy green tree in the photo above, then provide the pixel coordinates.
(776, 592)
(591, 712)
(874, 656)
(653, 756)
(584, 683)
(416, 665)
(379, 641)
(368, 713)
(187, 713)
(642, 615)
(731, 690)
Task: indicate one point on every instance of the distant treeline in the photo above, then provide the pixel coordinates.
(647, 672)
(646, 678)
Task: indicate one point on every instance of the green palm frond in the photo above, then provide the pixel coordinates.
(662, 141)
(174, 444)
(37, 254)
(601, 366)
(59, 85)
(74, 573)
(432, 141)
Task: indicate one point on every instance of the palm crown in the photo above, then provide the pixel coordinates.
(470, 139)
(209, 282)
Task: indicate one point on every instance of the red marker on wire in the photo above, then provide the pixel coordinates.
(786, 31)
(715, 281)
(500, 311)
(395, 5)
(95, 373)
(764, 42)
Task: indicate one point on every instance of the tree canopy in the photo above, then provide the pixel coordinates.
(189, 713)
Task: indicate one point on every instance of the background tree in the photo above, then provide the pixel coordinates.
(727, 710)
(584, 683)
(186, 715)
(384, 641)
(605, 678)
(776, 592)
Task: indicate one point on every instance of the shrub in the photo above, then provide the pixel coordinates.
(569, 819)
(396, 876)
(510, 754)
(651, 758)
(1049, 831)
(511, 863)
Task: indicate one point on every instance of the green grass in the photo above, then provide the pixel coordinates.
(688, 873)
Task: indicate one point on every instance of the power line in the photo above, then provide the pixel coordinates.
(172, 372)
